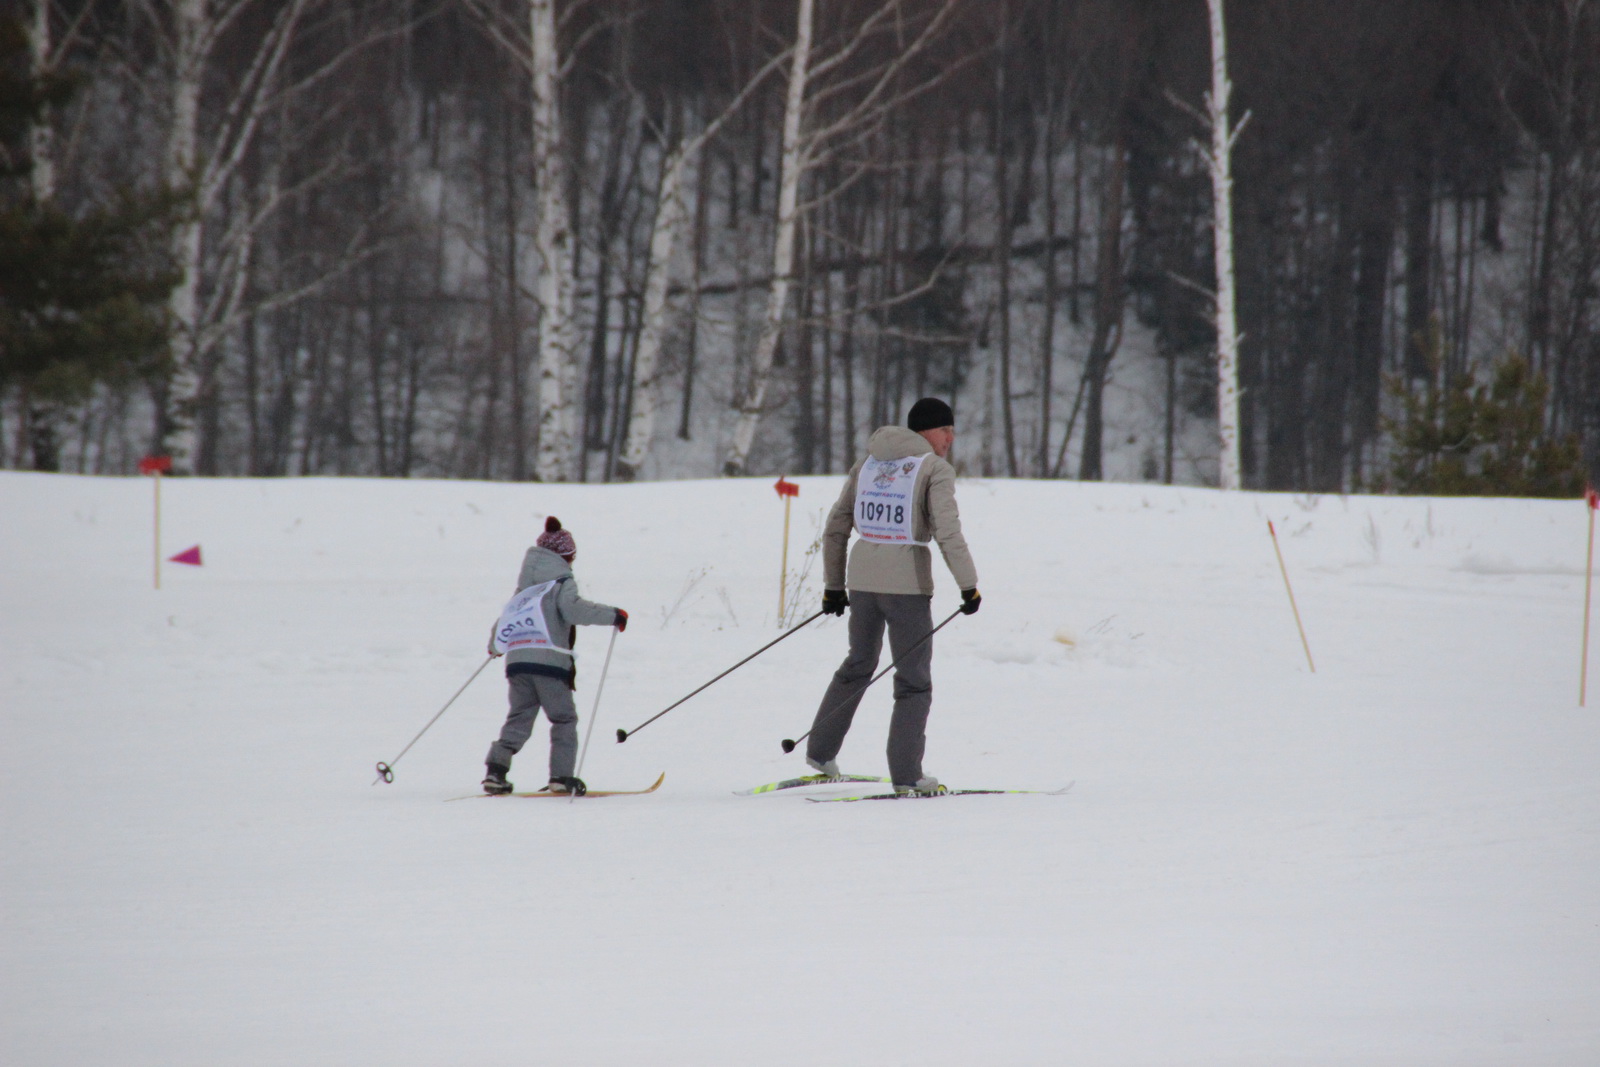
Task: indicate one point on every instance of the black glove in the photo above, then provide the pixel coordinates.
(621, 622)
(834, 601)
(970, 599)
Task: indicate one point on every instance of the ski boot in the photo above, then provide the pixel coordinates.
(494, 783)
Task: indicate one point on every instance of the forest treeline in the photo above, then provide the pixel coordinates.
(614, 239)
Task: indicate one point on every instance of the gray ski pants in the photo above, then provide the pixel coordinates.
(529, 693)
(909, 617)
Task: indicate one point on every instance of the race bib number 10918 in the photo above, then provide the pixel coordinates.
(885, 501)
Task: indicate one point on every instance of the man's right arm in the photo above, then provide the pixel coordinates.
(836, 533)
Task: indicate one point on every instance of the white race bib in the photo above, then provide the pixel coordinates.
(522, 623)
(884, 500)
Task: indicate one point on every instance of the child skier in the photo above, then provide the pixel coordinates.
(535, 633)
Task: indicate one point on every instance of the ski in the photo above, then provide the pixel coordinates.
(810, 779)
(590, 793)
(935, 796)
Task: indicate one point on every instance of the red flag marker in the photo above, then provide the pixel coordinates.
(788, 491)
(191, 556)
(155, 466)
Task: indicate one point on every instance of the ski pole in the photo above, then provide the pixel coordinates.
(788, 746)
(595, 711)
(386, 770)
(623, 735)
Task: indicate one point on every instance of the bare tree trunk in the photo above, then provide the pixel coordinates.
(1047, 330)
(39, 417)
(804, 364)
(518, 445)
(1108, 311)
(1419, 268)
(42, 133)
(671, 217)
(692, 344)
(671, 214)
(790, 171)
(204, 156)
(1229, 467)
(558, 357)
(595, 434)
(1002, 250)
(190, 47)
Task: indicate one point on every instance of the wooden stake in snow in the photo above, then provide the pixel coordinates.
(155, 465)
(788, 490)
(1292, 607)
(1593, 499)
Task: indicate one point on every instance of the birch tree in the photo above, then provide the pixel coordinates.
(1218, 158)
(42, 135)
(789, 174)
(537, 47)
(202, 158)
(808, 140)
(553, 241)
(672, 214)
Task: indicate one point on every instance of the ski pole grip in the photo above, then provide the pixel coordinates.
(622, 735)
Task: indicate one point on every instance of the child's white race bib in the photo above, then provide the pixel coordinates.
(522, 623)
(884, 500)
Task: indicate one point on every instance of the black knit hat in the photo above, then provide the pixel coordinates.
(929, 413)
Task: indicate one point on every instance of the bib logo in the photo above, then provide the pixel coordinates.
(888, 471)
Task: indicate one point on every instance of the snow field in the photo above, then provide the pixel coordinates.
(1390, 861)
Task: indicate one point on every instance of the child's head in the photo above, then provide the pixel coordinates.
(557, 540)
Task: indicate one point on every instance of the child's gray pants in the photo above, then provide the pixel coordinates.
(529, 693)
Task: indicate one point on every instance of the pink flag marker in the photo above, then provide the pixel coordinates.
(191, 556)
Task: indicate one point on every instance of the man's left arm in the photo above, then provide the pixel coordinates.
(946, 519)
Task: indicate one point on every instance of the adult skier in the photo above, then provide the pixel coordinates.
(535, 633)
(900, 499)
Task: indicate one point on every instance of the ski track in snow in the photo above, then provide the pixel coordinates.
(1391, 861)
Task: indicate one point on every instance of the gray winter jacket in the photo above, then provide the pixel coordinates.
(564, 610)
(879, 568)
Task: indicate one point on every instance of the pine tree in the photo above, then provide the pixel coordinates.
(1460, 437)
(82, 293)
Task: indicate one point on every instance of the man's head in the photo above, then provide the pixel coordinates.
(933, 419)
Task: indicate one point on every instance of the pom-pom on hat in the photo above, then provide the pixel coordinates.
(557, 540)
(929, 413)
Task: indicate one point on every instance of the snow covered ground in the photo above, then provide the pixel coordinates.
(1394, 860)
